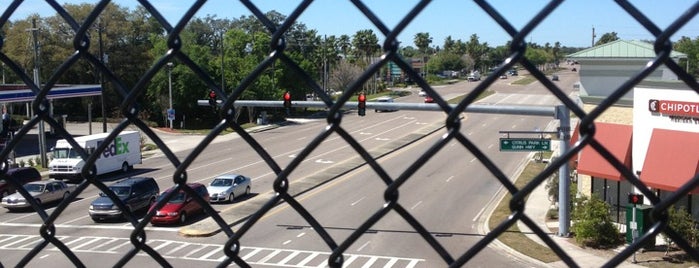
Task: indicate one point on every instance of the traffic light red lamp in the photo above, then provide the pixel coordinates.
(636, 199)
(287, 100)
(212, 98)
(361, 104)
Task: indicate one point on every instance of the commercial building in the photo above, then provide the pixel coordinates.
(652, 130)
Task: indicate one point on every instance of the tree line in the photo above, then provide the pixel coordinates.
(131, 41)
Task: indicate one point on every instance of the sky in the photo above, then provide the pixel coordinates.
(571, 23)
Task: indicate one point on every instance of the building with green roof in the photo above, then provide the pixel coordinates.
(605, 67)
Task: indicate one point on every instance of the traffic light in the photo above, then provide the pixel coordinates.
(212, 98)
(361, 104)
(287, 100)
(636, 199)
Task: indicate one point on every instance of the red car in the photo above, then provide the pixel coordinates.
(429, 99)
(180, 206)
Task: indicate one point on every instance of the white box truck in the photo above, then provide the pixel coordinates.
(122, 154)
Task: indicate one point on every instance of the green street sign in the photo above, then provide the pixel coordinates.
(524, 144)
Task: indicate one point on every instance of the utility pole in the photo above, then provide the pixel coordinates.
(42, 133)
(223, 87)
(593, 36)
(104, 109)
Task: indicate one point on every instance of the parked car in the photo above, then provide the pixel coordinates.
(137, 193)
(422, 93)
(229, 186)
(554, 77)
(23, 175)
(42, 191)
(384, 99)
(429, 99)
(503, 76)
(181, 206)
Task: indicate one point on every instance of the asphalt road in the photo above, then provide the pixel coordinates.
(447, 195)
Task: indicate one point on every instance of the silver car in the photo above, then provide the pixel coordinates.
(42, 191)
(229, 186)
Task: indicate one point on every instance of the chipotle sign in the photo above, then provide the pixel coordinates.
(676, 108)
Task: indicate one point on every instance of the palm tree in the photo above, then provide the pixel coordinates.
(422, 42)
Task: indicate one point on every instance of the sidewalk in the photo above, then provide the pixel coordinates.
(536, 208)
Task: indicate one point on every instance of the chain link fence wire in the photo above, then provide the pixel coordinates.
(130, 108)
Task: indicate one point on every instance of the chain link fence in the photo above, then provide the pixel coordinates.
(130, 109)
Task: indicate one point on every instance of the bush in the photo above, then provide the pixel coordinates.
(683, 224)
(592, 225)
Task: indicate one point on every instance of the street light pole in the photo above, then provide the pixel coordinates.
(169, 82)
(103, 61)
(37, 81)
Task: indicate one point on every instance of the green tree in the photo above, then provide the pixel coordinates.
(691, 48)
(607, 38)
(477, 51)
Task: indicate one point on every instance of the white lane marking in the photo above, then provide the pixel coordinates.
(363, 246)
(270, 256)
(286, 242)
(357, 202)
(108, 227)
(370, 262)
(321, 161)
(490, 146)
(76, 219)
(382, 139)
(417, 204)
(44, 256)
(365, 133)
(474, 159)
(449, 179)
(289, 257)
(301, 234)
(479, 214)
(210, 252)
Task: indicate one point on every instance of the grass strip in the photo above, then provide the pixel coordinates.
(513, 237)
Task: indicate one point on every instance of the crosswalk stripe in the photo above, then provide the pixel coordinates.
(208, 252)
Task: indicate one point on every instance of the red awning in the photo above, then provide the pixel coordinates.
(672, 159)
(616, 139)
(573, 162)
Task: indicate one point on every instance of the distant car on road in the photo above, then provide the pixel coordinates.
(474, 76)
(180, 206)
(503, 76)
(422, 93)
(136, 192)
(229, 186)
(42, 191)
(384, 99)
(429, 99)
(554, 77)
(23, 175)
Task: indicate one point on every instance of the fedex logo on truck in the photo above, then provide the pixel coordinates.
(116, 148)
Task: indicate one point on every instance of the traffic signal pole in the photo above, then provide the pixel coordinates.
(563, 116)
(560, 112)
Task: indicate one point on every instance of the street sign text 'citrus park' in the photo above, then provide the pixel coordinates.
(525, 144)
